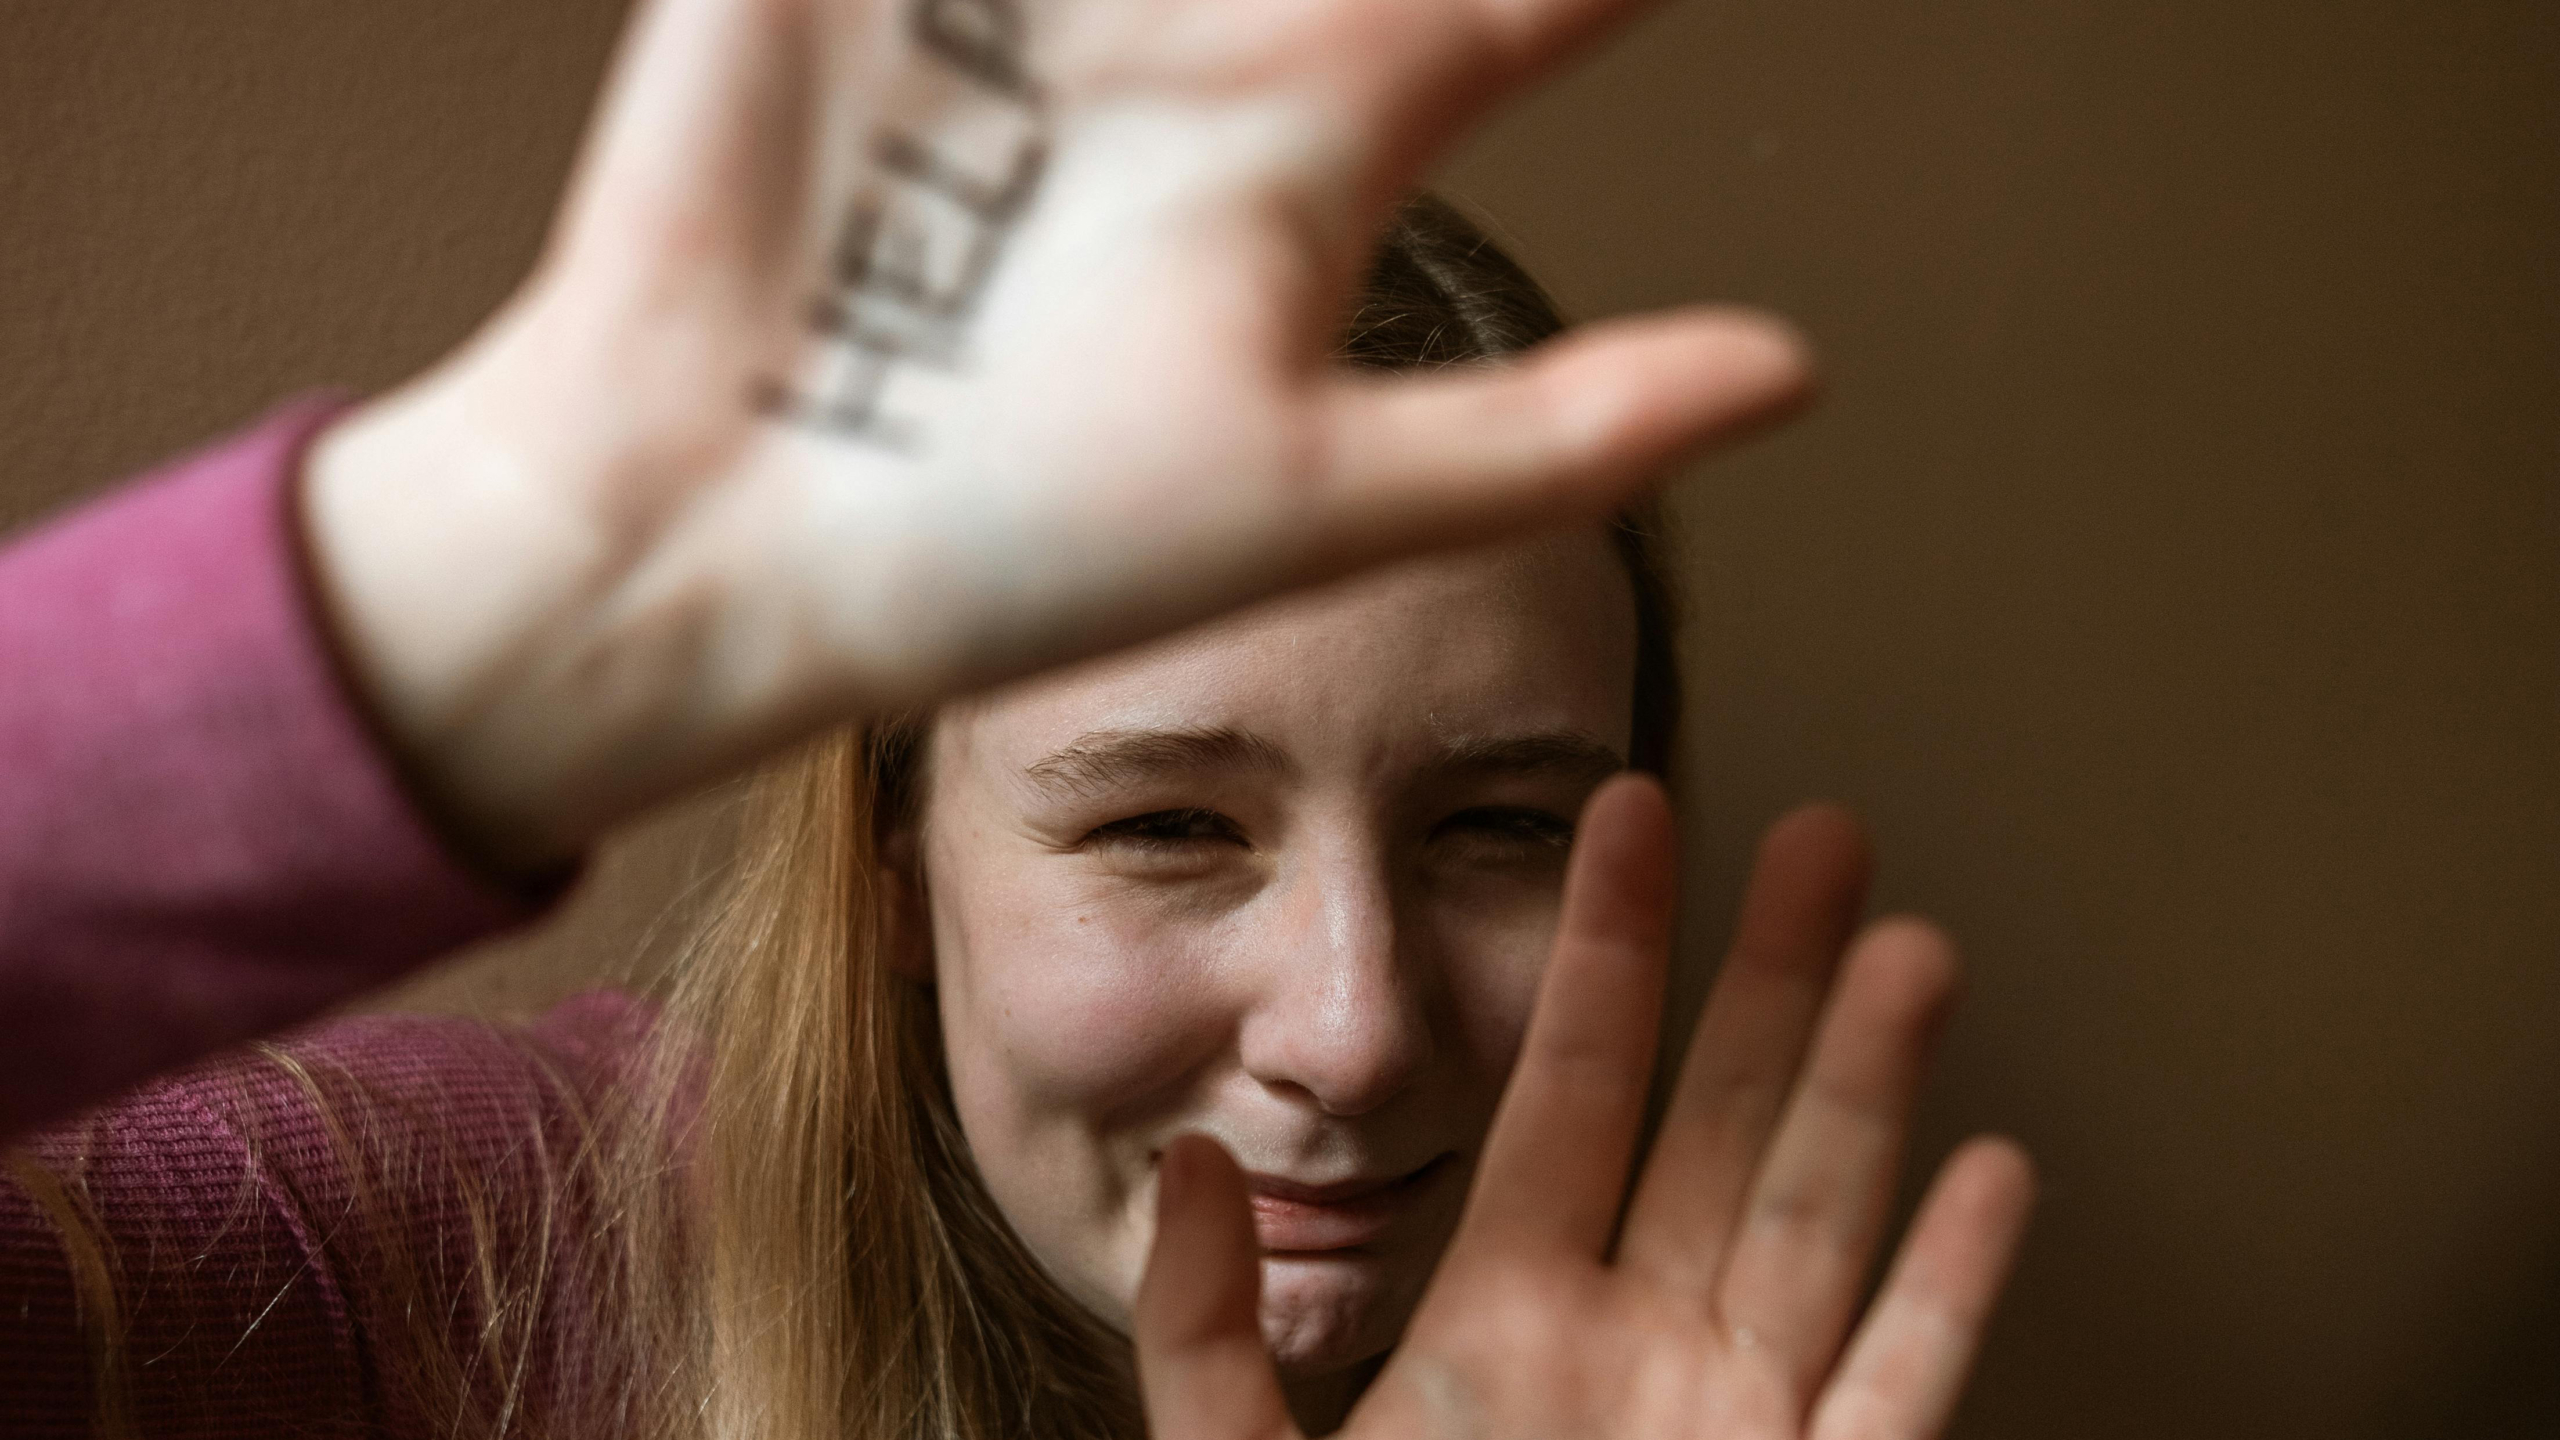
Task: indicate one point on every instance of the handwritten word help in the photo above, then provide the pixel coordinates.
(918, 244)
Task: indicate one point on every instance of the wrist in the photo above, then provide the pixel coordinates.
(445, 580)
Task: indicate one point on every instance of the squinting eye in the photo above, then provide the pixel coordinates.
(1512, 825)
(1168, 830)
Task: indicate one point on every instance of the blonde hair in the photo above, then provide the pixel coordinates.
(855, 1279)
(770, 1225)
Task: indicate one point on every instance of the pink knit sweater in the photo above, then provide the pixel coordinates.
(201, 843)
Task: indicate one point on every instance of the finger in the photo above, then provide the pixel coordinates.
(702, 153)
(1572, 430)
(1451, 61)
(1203, 1369)
(1905, 1369)
(1555, 1162)
(1817, 1209)
(1807, 888)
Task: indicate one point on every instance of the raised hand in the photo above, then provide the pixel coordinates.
(889, 348)
(1720, 1301)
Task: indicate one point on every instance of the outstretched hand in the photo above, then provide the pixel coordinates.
(890, 348)
(1721, 1300)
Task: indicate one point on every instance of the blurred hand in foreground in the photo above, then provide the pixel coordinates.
(885, 349)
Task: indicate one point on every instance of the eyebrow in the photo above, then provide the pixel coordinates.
(1568, 752)
(1101, 760)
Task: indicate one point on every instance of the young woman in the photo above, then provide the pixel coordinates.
(929, 1102)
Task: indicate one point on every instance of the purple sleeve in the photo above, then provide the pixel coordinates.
(200, 839)
(294, 1235)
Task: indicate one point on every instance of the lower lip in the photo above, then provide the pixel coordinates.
(1304, 1227)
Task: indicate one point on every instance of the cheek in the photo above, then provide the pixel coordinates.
(1062, 1009)
(1499, 946)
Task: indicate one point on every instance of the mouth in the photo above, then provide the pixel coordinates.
(1294, 1218)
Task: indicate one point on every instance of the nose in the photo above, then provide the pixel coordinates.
(1341, 1014)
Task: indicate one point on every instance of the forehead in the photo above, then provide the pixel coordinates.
(1483, 645)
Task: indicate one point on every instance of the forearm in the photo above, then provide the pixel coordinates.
(201, 840)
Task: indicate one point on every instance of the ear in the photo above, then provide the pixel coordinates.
(906, 921)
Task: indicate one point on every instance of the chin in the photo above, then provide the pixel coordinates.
(1325, 1313)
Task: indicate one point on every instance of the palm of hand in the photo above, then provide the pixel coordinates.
(1718, 1307)
(1125, 423)
(1080, 408)
(1578, 1356)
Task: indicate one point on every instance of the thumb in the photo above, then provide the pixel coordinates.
(1203, 1369)
(1569, 430)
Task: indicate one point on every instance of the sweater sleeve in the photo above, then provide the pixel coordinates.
(201, 840)
(373, 1228)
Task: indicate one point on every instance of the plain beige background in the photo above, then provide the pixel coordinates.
(2172, 574)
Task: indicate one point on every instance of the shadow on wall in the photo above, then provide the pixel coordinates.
(2498, 1381)
(626, 924)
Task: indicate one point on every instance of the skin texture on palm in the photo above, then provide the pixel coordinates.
(1725, 1305)
(576, 569)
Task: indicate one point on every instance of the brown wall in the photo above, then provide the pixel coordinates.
(2173, 573)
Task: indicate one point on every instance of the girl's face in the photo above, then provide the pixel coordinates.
(1288, 881)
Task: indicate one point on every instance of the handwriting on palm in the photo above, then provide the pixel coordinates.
(888, 349)
(1723, 1307)
(1028, 305)
(963, 145)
